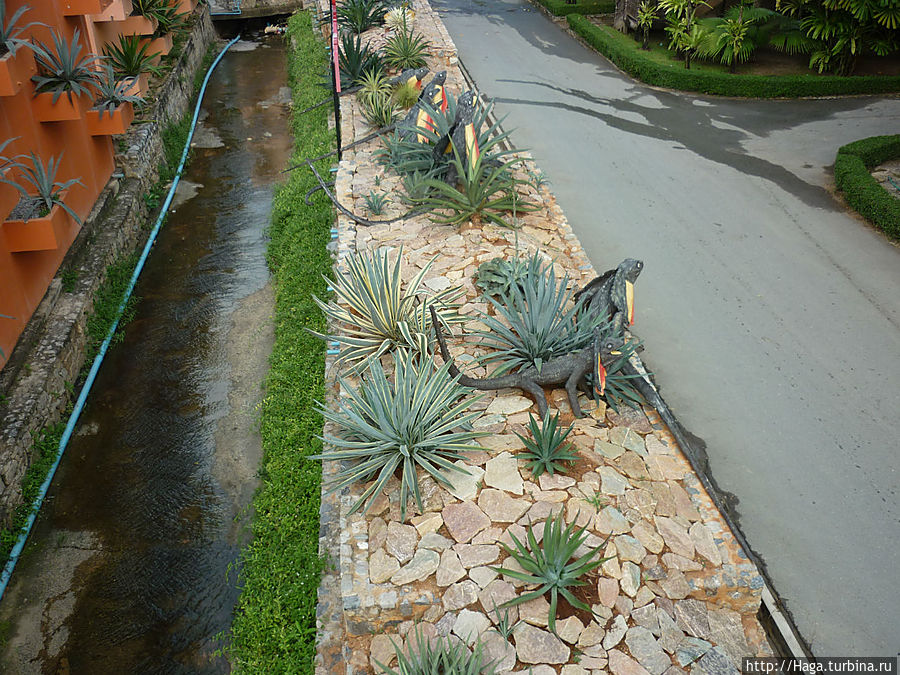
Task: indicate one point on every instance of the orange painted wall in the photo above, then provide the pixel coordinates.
(25, 276)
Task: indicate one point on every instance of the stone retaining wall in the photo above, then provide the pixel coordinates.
(678, 591)
(36, 381)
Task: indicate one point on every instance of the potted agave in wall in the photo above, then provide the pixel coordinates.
(39, 222)
(16, 59)
(113, 108)
(64, 76)
(9, 193)
(131, 59)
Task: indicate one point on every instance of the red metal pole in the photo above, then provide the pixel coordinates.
(336, 75)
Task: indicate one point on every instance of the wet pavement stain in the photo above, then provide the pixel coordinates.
(132, 566)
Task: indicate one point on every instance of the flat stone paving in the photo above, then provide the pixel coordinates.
(678, 593)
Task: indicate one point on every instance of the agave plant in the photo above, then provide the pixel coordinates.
(378, 315)
(356, 59)
(7, 162)
(486, 193)
(399, 17)
(380, 112)
(373, 84)
(131, 58)
(113, 92)
(169, 20)
(547, 449)
(43, 180)
(375, 202)
(405, 95)
(535, 322)
(64, 70)
(405, 49)
(549, 564)
(441, 656)
(418, 421)
(360, 15)
(498, 275)
(11, 33)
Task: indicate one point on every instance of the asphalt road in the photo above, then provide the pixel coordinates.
(770, 315)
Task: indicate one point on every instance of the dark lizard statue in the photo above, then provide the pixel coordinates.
(417, 117)
(569, 370)
(611, 294)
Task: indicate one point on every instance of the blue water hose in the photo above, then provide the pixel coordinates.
(98, 360)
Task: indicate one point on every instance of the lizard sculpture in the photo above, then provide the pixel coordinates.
(612, 293)
(417, 118)
(569, 370)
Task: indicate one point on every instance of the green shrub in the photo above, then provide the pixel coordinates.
(563, 8)
(862, 192)
(627, 55)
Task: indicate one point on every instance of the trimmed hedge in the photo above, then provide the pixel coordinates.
(627, 55)
(862, 192)
(562, 8)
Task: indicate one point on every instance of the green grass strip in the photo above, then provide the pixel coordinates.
(563, 8)
(274, 628)
(852, 176)
(659, 68)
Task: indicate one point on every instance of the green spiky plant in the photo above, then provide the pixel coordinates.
(535, 322)
(380, 112)
(375, 202)
(439, 657)
(42, 178)
(485, 194)
(11, 33)
(361, 15)
(63, 70)
(373, 84)
(378, 314)
(406, 49)
(169, 20)
(113, 92)
(549, 565)
(356, 59)
(497, 276)
(131, 58)
(418, 421)
(546, 450)
(405, 95)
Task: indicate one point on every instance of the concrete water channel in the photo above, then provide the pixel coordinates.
(131, 567)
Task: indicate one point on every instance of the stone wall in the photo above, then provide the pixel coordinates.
(36, 383)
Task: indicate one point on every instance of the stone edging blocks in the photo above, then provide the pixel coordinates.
(678, 591)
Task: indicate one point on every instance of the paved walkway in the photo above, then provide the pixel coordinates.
(771, 317)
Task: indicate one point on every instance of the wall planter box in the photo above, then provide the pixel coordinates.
(140, 86)
(112, 10)
(15, 70)
(37, 234)
(161, 45)
(79, 7)
(9, 197)
(136, 25)
(65, 109)
(110, 124)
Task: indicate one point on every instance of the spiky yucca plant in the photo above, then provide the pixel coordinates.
(356, 59)
(377, 314)
(549, 565)
(42, 179)
(406, 49)
(63, 70)
(498, 275)
(486, 193)
(418, 421)
(112, 91)
(373, 85)
(360, 15)
(405, 95)
(547, 449)
(535, 322)
(131, 58)
(380, 111)
(439, 657)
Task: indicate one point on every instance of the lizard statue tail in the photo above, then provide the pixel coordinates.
(465, 380)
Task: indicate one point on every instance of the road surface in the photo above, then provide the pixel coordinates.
(770, 315)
